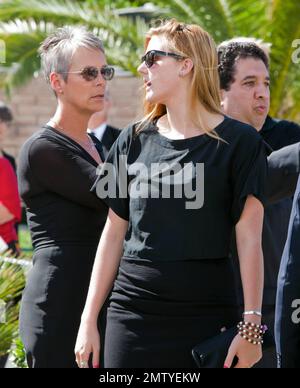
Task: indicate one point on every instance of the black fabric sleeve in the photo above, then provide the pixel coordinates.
(112, 183)
(291, 131)
(249, 172)
(57, 169)
(284, 169)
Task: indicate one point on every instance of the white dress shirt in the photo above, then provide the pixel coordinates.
(99, 131)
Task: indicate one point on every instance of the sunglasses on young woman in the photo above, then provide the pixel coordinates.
(153, 55)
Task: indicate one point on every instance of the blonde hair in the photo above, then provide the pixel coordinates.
(190, 41)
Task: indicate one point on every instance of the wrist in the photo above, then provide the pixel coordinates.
(252, 319)
(88, 320)
(254, 316)
(251, 332)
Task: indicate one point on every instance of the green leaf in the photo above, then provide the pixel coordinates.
(12, 282)
(284, 28)
(26, 23)
(208, 14)
(247, 17)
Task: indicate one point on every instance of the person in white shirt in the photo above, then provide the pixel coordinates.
(98, 126)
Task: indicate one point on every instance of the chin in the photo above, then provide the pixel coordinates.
(96, 106)
(150, 99)
(153, 100)
(259, 123)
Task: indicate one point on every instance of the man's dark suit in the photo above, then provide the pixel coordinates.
(106, 141)
(283, 164)
(287, 323)
(109, 137)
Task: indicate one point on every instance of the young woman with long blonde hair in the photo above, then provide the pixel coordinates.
(191, 177)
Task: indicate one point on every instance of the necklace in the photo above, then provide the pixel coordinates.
(86, 145)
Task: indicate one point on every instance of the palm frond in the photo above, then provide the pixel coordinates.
(122, 37)
(12, 281)
(290, 104)
(21, 54)
(208, 14)
(26, 23)
(8, 332)
(283, 30)
(18, 354)
(22, 41)
(67, 12)
(247, 17)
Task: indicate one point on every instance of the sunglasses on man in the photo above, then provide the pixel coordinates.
(90, 73)
(153, 55)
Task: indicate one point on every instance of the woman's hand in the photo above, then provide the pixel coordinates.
(248, 354)
(87, 343)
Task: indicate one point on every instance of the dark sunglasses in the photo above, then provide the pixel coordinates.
(152, 56)
(90, 73)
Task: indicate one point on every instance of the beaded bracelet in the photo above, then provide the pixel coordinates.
(251, 332)
(253, 327)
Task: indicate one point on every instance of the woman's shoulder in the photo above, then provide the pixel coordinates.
(126, 133)
(129, 135)
(237, 132)
(43, 141)
(38, 138)
(41, 146)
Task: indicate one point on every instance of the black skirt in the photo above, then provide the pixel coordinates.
(158, 311)
(52, 304)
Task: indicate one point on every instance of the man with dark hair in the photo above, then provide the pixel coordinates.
(6, 117)
(245, 81)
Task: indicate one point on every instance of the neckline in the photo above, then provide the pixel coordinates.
(47, 126)
(179, 143)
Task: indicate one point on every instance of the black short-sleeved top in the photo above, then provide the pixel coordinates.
(55, 176)
(163, 228)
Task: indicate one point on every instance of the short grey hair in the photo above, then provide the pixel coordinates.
(57, 50)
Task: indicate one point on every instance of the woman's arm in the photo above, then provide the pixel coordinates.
(249, 245)
(55, 168)
(106, 265)
(5, 215)
(104, 272)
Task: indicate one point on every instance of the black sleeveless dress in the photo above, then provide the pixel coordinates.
(66, 221)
